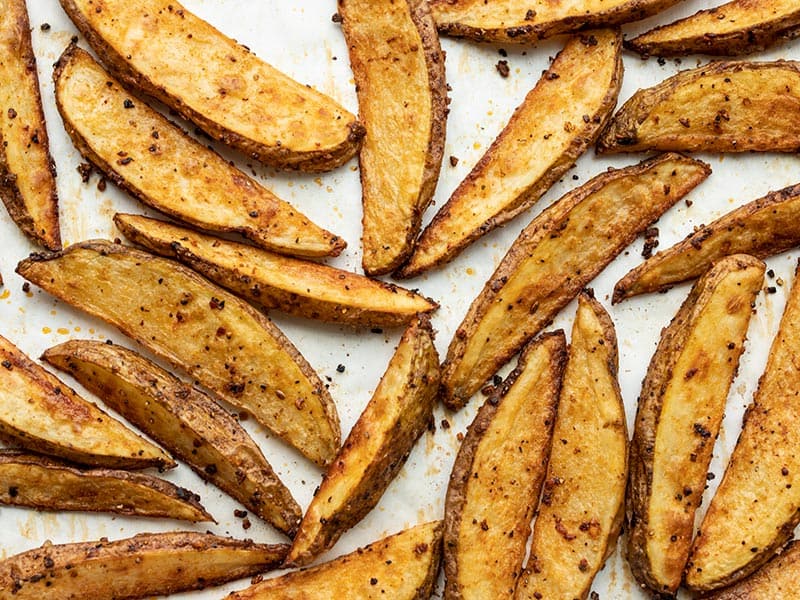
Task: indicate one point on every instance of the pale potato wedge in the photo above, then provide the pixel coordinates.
(401, 567)
(678, 418)
(27, 171)
(497, 477)
(719, 107)
(148, 564)
(583, 504)
(41, 413)
(555, 257)
(228, 346)
(185, 421)
(399, 412)
(157, 46)
(558, 120)
(776, 579)
(158, 163)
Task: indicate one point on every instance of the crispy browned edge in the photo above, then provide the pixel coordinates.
(787, 561)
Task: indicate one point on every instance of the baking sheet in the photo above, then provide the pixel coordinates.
(300, 38)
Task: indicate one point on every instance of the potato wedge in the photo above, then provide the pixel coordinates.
(719, 107)
(401, 567)
(776, 579)
(555, 257)
(158, 163)
(27, 171)
(396, 416)
(189, 424)
(582, 507)
(497, 477)
(558, 120)
(221, 341)
(298, 287)
(155, 46)
(149, 564)
(678, 418)
(760, 228)
(41, 413)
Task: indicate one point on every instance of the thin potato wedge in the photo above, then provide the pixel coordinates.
(776, 579)
(158, 163)
(156, 45)
(558, 120)
(221, 341)
(498, 475)
(678, 418)
(396, 416)
(189, 424)
(555, 257)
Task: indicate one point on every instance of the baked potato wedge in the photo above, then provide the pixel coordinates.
(27, 171)
(678, 418)
(719, 107)
(228, 346)
(149, 564)
(399, 412)
(252, 107)
(185, 421)
(497, 477)
(582, 506)
(558, 120)
(776, 579)
(41, 413)
(158, 163)
(554, 258)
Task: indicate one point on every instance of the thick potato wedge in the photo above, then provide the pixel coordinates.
(252, 107)
(776, 579)
(27, 171)
(719, 107)
(189, 424)
(158, 163)
(582, 507)
(555, 257)
(401, 567)
(149, 564)
(558, 120)
(221, 341)
(41, 413)
(298, 287)
(498, 475)
(398, 68)
(396, 416)
(678, 418)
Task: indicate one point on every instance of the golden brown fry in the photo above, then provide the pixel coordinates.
(776, 579)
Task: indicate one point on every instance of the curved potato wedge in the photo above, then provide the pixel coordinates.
(776, 579)
(498, 475)
(158, 163)
(154, 45)
(719, 107)
(678, 418)
(223, 342)
(189, 424)
(396, 416)
(555, 257)
(558, 120)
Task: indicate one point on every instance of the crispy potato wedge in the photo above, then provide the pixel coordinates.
(149, 564)
(401, 567)
(555, 257)
(582, 507)
(27, 171)
(396, 416)
(41, 413)
(224, 343)
(298, 287)
(498, 475)
(776, 579)
(158, 163)
(189, 424)
(558, 120)
(719, 107)
(678, 418)
(760, 228)
(254, 107)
